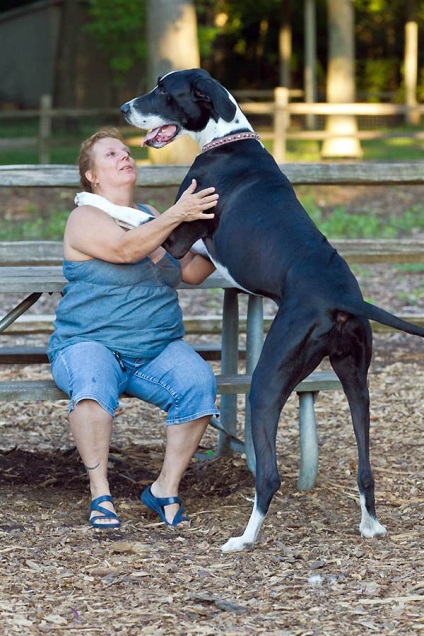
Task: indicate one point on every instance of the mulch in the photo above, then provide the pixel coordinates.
(310, 573)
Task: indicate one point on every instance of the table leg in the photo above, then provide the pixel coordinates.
(18, 310)
(254, 343)
(229, 366)
(308, 469)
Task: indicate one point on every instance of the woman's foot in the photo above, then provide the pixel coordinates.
(102, 513)
(169, 509)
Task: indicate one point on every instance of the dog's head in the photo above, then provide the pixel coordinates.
(183, 102)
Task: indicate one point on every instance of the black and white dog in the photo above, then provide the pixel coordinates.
(263, 238)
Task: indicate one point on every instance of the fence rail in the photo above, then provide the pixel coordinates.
(279, 108)
(410, 173)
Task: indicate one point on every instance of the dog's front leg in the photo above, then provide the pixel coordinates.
(264, 429)
(247, 540)
(291, 351)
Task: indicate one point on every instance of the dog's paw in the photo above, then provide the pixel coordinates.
(371, 527)
(236, 544)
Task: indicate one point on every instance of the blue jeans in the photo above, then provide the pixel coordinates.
(178, 380)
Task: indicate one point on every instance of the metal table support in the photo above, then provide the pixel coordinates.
(18, 310)
(309, 455)
(254, 343)
(229, 366)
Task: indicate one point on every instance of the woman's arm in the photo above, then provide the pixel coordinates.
(90, 233)
(195, 268)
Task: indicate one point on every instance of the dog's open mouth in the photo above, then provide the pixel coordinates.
(159, 137)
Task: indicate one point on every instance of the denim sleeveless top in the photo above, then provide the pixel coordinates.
(130, 308)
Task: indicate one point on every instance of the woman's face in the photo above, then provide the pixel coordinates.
(112, 165)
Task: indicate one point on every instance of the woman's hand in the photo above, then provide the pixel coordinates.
(192, 206)
(90, 233)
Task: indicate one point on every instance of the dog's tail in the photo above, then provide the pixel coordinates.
(367, 310)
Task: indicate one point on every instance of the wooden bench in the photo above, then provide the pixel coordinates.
(42, 259)
(23, 257)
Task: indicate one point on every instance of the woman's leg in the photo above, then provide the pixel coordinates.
(91, 428)
(181, 383)
(91, 375)
(182, 441)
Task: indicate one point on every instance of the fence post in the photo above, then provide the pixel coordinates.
(411, 71)
(45, 129)
(310, 74)
(281, 101)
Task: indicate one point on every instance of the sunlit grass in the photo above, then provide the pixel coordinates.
(65, 144)
(340, 224)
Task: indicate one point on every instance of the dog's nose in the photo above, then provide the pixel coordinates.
(125, 108)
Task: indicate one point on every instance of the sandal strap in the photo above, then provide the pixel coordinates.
(166, 501)
(179, 517)
(96, 507)
(105, 512)
(99, 500)
(157, 504)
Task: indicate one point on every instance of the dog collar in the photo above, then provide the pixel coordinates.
(228, 139)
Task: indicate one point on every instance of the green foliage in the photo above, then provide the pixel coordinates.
(371, 6)
(241, 47)
(377, 76)
(118, 28)
(412, 297)
(36, 227)
(238, 41)
(340, 224)
(243, 33)
(394, 148)
(411, 268)
(64, 147)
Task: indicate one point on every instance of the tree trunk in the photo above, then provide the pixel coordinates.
(411, 60)
(172, 45)
(65, 74)
(285, 44)
(310, 74)
(341, 80)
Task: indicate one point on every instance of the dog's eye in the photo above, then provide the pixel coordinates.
(163, 92)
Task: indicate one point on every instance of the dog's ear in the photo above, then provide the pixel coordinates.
(210, 91)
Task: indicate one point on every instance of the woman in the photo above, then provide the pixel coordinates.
(119, 327)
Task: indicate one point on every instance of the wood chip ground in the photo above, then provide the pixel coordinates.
(311, 574)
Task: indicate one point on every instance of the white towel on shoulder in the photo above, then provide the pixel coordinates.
(131, 217)
(127, 217)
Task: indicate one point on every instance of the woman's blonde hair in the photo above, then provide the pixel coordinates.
(85, 159)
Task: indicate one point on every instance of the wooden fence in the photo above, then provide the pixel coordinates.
(279, 109)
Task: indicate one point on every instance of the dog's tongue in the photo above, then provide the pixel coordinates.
(160, 135)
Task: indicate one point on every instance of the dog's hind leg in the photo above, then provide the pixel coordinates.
(291, 351)
(351, 365)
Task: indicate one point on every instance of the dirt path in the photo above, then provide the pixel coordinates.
(310, 575)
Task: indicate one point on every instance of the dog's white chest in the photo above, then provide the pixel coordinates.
(200, 248)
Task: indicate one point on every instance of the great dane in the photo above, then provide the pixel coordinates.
(266, 243)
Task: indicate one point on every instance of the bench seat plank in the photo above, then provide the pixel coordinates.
(38, 355)
(43, 324)
(39, 390)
